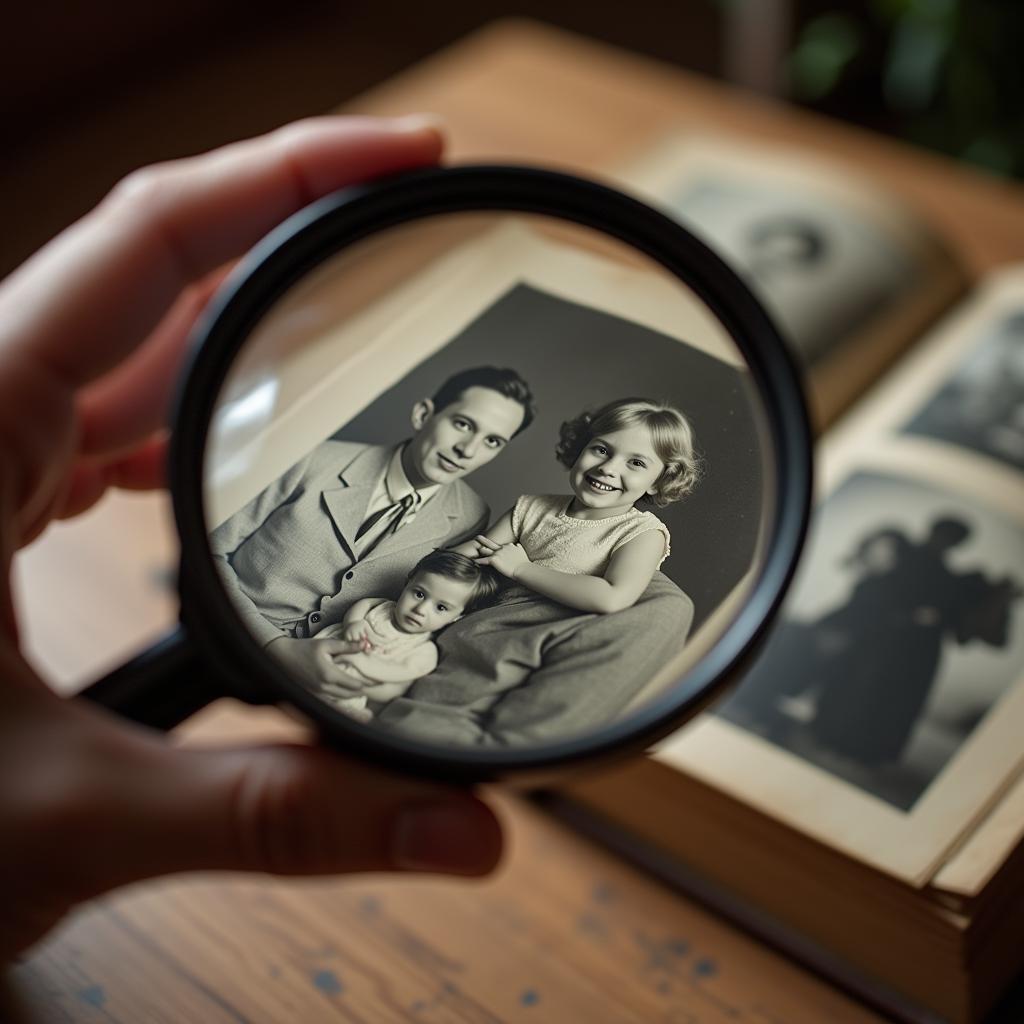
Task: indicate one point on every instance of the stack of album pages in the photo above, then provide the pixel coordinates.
(859, 797)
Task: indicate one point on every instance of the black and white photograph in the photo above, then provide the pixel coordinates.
(829, 256)
(903, 632)
(507, 544)
(980, 407)
(821, 269)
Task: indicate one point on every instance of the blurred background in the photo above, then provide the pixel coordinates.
(90, 91)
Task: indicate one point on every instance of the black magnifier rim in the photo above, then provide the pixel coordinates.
(330, 225)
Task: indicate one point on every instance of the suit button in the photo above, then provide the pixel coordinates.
(315, 617)
(349, 575)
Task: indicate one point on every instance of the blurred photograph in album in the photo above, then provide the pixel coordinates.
(896, 644)
(847, 270)
(862, 787)
(542, 379)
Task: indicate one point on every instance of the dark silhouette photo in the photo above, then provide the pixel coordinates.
(901, 635)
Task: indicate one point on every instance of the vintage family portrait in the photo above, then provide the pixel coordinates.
(508, 543)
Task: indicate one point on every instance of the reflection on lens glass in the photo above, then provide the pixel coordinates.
(488, 481)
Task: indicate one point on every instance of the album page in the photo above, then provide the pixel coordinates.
(883, 717)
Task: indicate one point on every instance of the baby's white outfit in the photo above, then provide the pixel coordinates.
(396, 660)
(581, 547)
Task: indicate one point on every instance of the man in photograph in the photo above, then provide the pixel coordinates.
(350, 520)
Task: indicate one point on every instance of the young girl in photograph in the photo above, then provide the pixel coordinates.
(594, 549)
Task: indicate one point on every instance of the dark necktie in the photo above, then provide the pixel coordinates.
(397, 511)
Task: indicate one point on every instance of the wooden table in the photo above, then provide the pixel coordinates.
(564, 932)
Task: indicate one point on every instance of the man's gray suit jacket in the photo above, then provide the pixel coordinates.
(288, 560)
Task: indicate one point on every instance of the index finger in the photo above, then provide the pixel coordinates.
(107, 280)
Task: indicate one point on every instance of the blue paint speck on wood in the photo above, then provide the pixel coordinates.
(529, 998)
(93, 995)
(370, 906)
(705, 968)
(328, 983)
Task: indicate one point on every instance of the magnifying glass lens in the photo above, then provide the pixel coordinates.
(491, 481)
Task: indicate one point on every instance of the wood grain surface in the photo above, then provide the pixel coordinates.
(563, 933)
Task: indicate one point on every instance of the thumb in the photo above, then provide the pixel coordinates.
(89, 802)
(296, 810)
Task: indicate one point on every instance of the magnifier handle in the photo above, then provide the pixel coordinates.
(160, 687)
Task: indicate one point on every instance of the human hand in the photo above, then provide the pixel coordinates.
(470, 548)
(385, 691)
(508, 559)
(355, 632)
(92, 331)
(312, 658)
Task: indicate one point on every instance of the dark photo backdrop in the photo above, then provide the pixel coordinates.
(575, 358)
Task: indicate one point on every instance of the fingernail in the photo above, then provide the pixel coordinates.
(419, 123)
(460, 838)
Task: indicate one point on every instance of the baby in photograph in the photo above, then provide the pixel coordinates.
(396, 637)
(594, 550)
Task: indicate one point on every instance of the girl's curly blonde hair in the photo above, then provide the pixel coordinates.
(671, 435)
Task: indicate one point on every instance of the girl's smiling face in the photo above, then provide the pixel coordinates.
(616, 469)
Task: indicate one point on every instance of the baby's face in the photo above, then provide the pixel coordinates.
(430, 601)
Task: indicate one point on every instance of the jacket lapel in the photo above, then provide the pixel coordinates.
(347, 503)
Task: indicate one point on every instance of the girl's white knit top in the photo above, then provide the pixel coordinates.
(581, 547)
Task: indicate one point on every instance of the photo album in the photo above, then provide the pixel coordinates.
(858, 796)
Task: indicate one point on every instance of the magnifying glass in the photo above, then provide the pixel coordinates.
(482, 470)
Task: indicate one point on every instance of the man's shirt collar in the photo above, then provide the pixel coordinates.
(397, 485)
